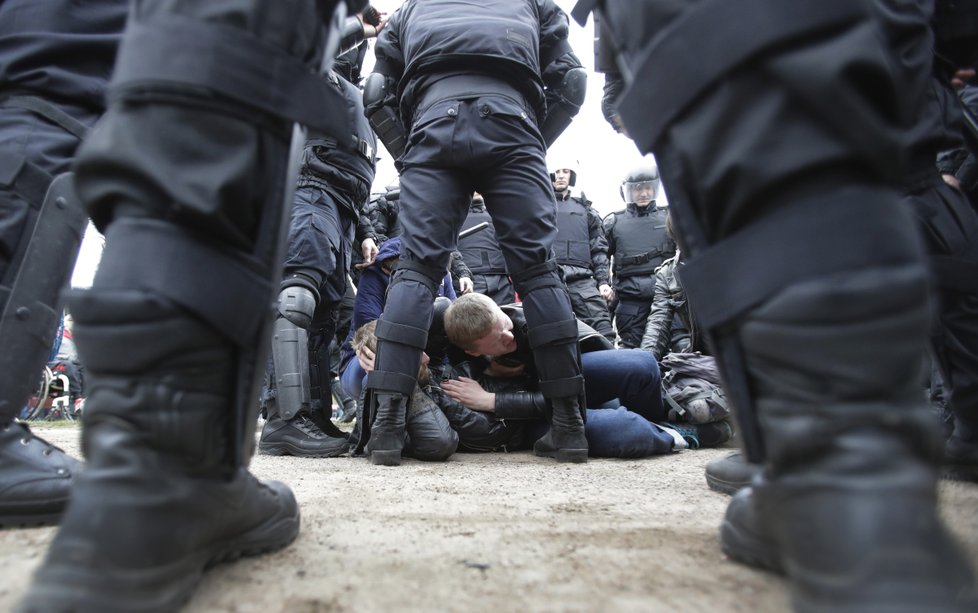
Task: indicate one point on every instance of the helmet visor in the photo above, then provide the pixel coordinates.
(641, 192)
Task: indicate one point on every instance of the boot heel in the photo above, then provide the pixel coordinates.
(386, 457)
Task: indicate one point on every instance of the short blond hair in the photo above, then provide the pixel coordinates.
(470, 318)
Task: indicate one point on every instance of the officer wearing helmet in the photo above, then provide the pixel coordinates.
(581, 251)
(638, 244)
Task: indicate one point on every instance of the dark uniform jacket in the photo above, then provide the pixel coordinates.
(344, 170)
(501, 38)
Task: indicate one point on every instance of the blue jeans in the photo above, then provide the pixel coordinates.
(352, 378)
(620, 433)
(617, 433)
(629, 375)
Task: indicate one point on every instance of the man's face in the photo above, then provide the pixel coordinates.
(642, 193)
(500, 339)
(561, 179)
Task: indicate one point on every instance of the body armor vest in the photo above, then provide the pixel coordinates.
(641, 242)
(480, 251)
(573, 243)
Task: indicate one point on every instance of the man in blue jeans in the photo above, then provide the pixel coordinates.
(495, 407)
(480, 327)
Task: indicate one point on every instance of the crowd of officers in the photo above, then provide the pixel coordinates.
(607, 266)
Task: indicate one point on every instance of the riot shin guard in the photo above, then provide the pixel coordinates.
(32, 301)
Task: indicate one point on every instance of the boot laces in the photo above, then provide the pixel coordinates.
(308, 426)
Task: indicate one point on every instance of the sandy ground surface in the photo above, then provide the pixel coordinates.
(492, 532)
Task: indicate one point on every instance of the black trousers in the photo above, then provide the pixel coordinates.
(456, 147)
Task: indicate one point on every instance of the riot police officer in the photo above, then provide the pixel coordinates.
(480, 105)
(784, 140)
(484, 257)
(189, 174)
(638, 244)
(581, 251)
(334, 183)
(55, 62)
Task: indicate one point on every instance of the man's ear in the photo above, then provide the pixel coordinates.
(473, 353)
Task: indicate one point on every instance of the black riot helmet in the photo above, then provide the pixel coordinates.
(641, 185)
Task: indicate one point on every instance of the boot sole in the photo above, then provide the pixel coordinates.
(30, 521)
(23, 516)
(564, 456)
(748, 549)
(286, 449)
(385, 458)
(724, 486)
(960, 472)
(156, 590)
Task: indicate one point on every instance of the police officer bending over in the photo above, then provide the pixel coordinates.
(480, 105)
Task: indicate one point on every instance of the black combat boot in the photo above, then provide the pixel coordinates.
(961, 459)
(730, 474)
(565, 441)
(846, 506)
(387, 431)
(162, 497)
(35, 477)
(300, 436)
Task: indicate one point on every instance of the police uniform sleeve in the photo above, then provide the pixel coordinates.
(609, 232)
(365, 229)
(613, 86)
(599, 247)
(458, 266)
(565, 80)
(380, 102)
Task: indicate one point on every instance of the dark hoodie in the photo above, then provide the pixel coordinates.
(372, 294)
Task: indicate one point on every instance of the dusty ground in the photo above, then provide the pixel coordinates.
(499, 532)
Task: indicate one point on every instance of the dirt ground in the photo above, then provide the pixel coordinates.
(491, 532)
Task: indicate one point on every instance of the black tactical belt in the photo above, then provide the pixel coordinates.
(357, 144)
(642, 258)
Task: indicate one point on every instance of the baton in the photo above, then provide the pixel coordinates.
(476, 228)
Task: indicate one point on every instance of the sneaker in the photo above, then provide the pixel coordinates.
(301, 437)
(714, 433)
(687, 433)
